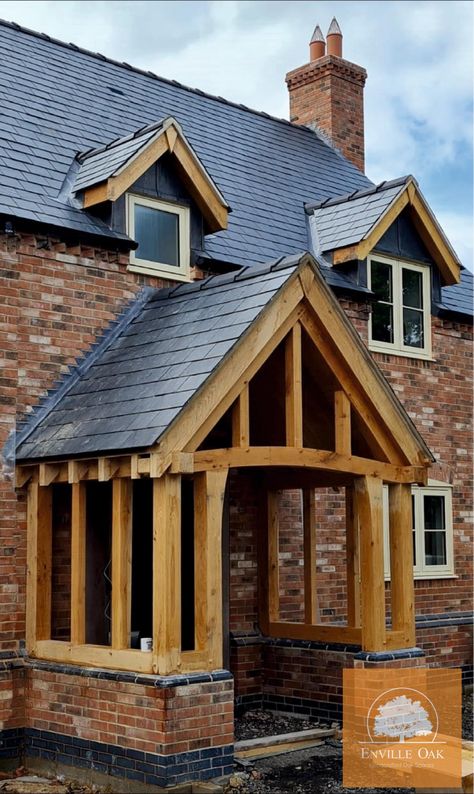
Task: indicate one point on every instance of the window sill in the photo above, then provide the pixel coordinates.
(391, 351)
(169, 275)
(423, 577)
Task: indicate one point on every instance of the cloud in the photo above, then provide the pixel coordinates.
(418, 54)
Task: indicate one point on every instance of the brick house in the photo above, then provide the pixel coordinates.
(236, 391)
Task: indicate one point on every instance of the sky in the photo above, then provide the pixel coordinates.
(418, 54)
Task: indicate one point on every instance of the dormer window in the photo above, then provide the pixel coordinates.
(161, 230)
(400, 318)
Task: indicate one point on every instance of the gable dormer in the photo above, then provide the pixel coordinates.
(152, 186)
(388, 239)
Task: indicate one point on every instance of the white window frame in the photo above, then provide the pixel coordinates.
(397, 347)
(421, 570)
(137, 265)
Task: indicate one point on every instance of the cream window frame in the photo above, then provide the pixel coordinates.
(397, 347)
(420, 569)
(138, 265)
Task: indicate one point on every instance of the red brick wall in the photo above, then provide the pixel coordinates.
(329, 93)
(148, 718)
(12, 698)
(55, 301)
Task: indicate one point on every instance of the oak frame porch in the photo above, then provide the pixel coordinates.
(400, 461)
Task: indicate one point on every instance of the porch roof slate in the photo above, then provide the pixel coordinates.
(127, 393)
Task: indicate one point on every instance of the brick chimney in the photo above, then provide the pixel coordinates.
(328, 93)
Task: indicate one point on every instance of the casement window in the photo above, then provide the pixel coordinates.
(161, 230)
(400, 317)
(432, 532)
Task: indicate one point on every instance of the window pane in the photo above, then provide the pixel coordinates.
(434, 512)
(412, 288)
(413, 328)
(157, 235)
(382, 322)
(435, 548)
(381, 281)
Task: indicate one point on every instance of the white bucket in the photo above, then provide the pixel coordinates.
(146, 644)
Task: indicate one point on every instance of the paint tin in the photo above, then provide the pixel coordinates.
(146, 644)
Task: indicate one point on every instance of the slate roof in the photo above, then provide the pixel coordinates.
(58, 100)
(97, 165)
(460, 297)
(346, 220)
(128, 392)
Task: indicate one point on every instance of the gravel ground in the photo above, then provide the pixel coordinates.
(255, 724)
(467, 717)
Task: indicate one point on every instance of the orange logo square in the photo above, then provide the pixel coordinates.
(402, 728)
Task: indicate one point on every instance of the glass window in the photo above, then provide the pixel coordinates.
(157, 235)
(432, 531)
(161, 230)
(400, 315)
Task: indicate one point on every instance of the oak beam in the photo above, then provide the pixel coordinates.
(39, 560)
(293, 388)
(273, 557)
(342, 422)
(121, 562)
(107, 468)
(48, 473)
(78, 564)
(166, 573)
(77, 471)
(368, 500)
(401, 562)
(311, 608)
(321, 633)
(306, 458)
(241, 419)
(352, 560)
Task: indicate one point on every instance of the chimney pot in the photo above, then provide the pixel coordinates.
(329, 93)
(334, 39)
(317, 45)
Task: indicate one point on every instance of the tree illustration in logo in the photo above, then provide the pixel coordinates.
(403, 718)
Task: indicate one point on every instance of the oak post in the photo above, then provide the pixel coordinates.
(293, 388)
(401, 562)
(353, 561)
(39, 558)
(241, 419)
(78, 564)
(215, 489)
(368, 492)
(262, 561)
(342, 429)
(273, 557)
(121, 562)
(166, 573)
(311, 610)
